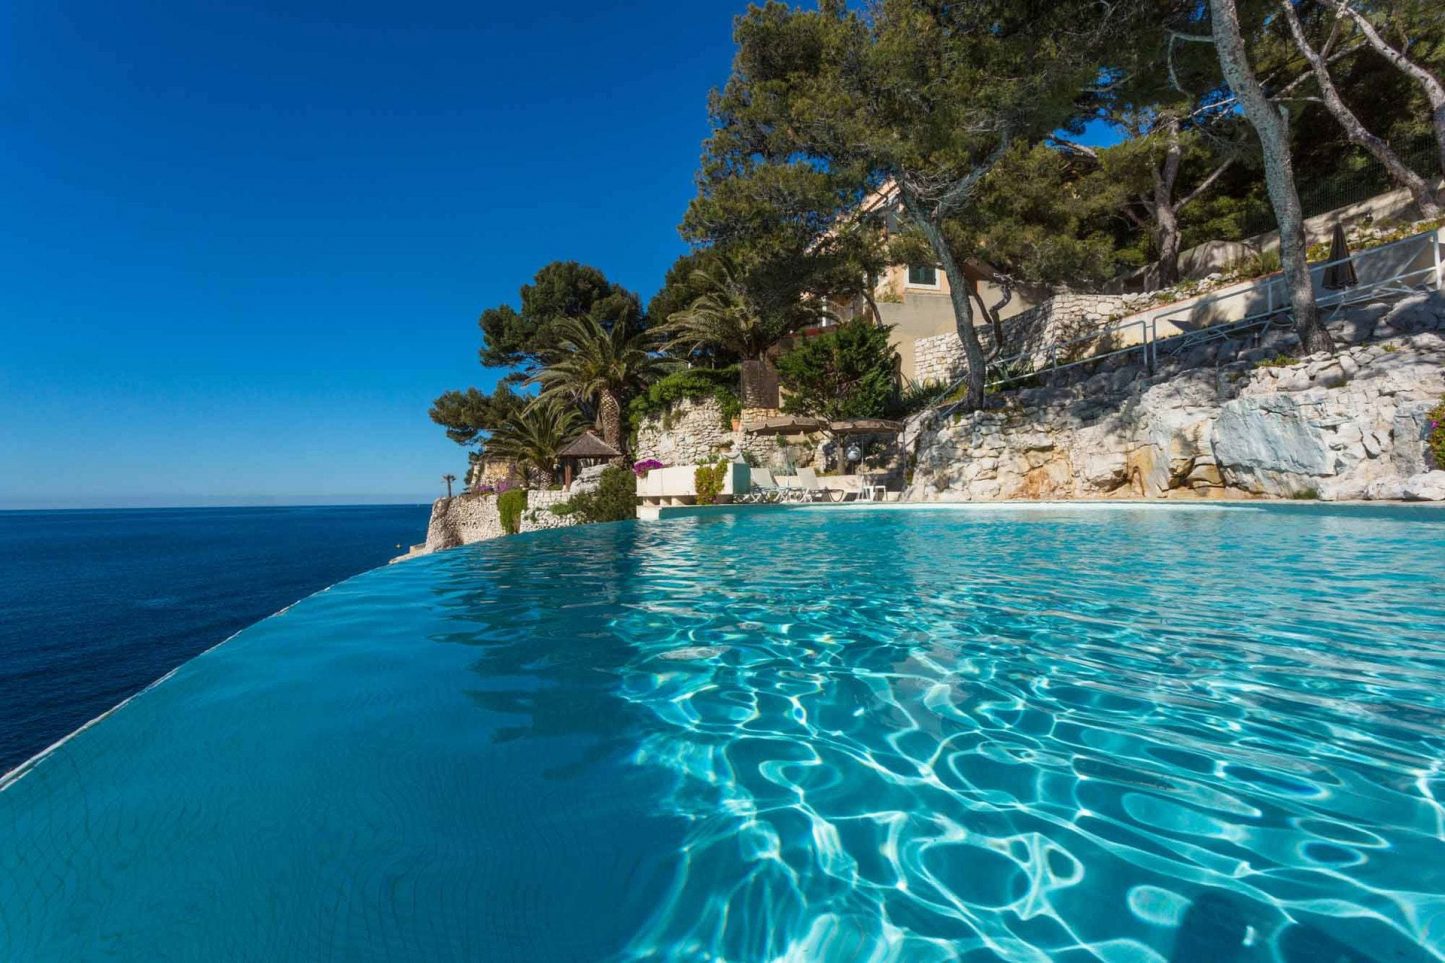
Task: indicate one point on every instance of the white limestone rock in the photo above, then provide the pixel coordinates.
(1420, 312)
(1267, 445)
(1427, 486)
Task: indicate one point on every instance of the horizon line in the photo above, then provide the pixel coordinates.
(140, 503)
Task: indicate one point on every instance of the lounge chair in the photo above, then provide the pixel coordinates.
(813, 491)
(764, 488)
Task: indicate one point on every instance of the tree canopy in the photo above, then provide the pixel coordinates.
(560, 291)
(599, 368)
(849, 138)
(914, 97)
(468, 416)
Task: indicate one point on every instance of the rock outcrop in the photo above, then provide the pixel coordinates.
(1229, 420)
(1427, 486)
(473, 517)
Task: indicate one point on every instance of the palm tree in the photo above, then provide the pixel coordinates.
(731, 318)
(599, 368)
(533, 437)
(449, 478)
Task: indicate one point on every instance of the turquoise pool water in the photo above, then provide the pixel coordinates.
(1085, 734)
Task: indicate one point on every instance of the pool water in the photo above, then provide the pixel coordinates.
(1094, 733)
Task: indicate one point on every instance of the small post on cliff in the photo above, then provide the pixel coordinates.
(449, 479)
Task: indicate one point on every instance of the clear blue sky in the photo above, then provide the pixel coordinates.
(245, 243)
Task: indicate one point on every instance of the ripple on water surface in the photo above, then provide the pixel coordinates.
(1192, 735)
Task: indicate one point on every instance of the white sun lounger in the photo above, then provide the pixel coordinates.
(812, 490)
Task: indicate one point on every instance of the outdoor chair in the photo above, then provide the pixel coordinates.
(813, 491)
(764, 488)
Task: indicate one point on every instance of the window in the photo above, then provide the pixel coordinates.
(923, 277)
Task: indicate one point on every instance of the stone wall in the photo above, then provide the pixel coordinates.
(1223, 422)
(938, 359)
(538, 518)
(692, 431)
(1062, 318)
(462, 520)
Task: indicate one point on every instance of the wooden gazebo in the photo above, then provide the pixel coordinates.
(586, 449)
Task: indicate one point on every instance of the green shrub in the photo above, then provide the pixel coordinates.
(1435, 440)
(690, 383)
(1253, 266)
(731, 405)
(613, 500)
(708, 479)
(510, 505)
(1015, 373)
(917, 396)
(849, 371)
(1278, 361)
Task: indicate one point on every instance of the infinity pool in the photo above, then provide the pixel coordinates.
(1094, 733)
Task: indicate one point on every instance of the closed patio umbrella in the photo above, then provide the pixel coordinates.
(864, 426)
(1341, 272)
(787, 425)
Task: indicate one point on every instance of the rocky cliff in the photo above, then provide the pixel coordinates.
(1227, 420)
(473, 517)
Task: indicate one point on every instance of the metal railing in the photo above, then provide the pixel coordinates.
(1387, 270)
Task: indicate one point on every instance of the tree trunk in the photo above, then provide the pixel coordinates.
(609, 414)
(1166, 218)
(995, 325)
(758, 382)
(1434, 89)
(1272, 128)
(958, 294)
(1168, 240)
(873, 307)
(1354, 130)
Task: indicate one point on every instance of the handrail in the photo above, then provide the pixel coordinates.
(1148, 320)
(1269, 280)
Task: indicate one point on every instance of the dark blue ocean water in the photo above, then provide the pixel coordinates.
(95, 605)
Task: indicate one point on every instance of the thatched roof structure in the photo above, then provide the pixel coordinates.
(588, 445)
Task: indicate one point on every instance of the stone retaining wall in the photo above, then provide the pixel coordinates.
(538, 517)
(692, 431)
(1062, 318)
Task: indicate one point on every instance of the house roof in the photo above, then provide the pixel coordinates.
(588, 445)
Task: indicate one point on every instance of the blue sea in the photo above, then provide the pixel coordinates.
(95, 605)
